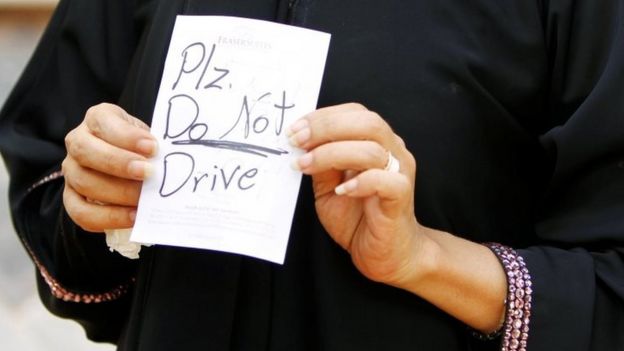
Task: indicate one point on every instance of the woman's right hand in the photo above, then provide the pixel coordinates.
(104, 168)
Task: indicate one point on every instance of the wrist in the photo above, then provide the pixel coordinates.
(424, 261)
(462, 278)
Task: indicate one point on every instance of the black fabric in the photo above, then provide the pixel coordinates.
(513, 109)
(81, 60)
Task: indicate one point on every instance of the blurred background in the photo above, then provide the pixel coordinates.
(25, 325)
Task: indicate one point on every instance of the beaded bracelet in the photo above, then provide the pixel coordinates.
(515, 330)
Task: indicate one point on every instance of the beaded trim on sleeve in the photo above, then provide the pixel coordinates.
(62, 293)
(57, 290)
(46, 179)
(519, 291)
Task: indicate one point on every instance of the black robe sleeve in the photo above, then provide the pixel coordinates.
(81, 60)
(578, 267)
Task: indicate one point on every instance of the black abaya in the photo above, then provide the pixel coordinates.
(514, 111)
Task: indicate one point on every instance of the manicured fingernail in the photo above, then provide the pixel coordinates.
(132, 215)
(300, 138)
(140, 169)
(303, 162)
(147, 147)
(297, 126)
(346, 187)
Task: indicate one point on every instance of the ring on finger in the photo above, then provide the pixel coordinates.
(393, 164)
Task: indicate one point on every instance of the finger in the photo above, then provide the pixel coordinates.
(96, 218)
(394, 189)
(324, 183)
(349, 106)
(322, 127)
(101, 187)
(92, 152)
(343, 155)
(113, 125)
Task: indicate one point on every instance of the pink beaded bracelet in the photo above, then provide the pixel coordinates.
(515, 330)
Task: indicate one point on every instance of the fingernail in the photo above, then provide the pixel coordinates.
(147, 147)
(297, 126)
(300, 138)
(132, 215)
(140, 169)
(346, 187)
(303, 162)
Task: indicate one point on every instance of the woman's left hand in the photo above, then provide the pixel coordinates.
(367, 209)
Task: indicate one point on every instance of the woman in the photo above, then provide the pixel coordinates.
(511, 109)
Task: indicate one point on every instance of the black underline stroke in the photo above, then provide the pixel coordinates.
(257, 150)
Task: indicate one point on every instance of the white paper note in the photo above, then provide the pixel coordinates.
(222, 181)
